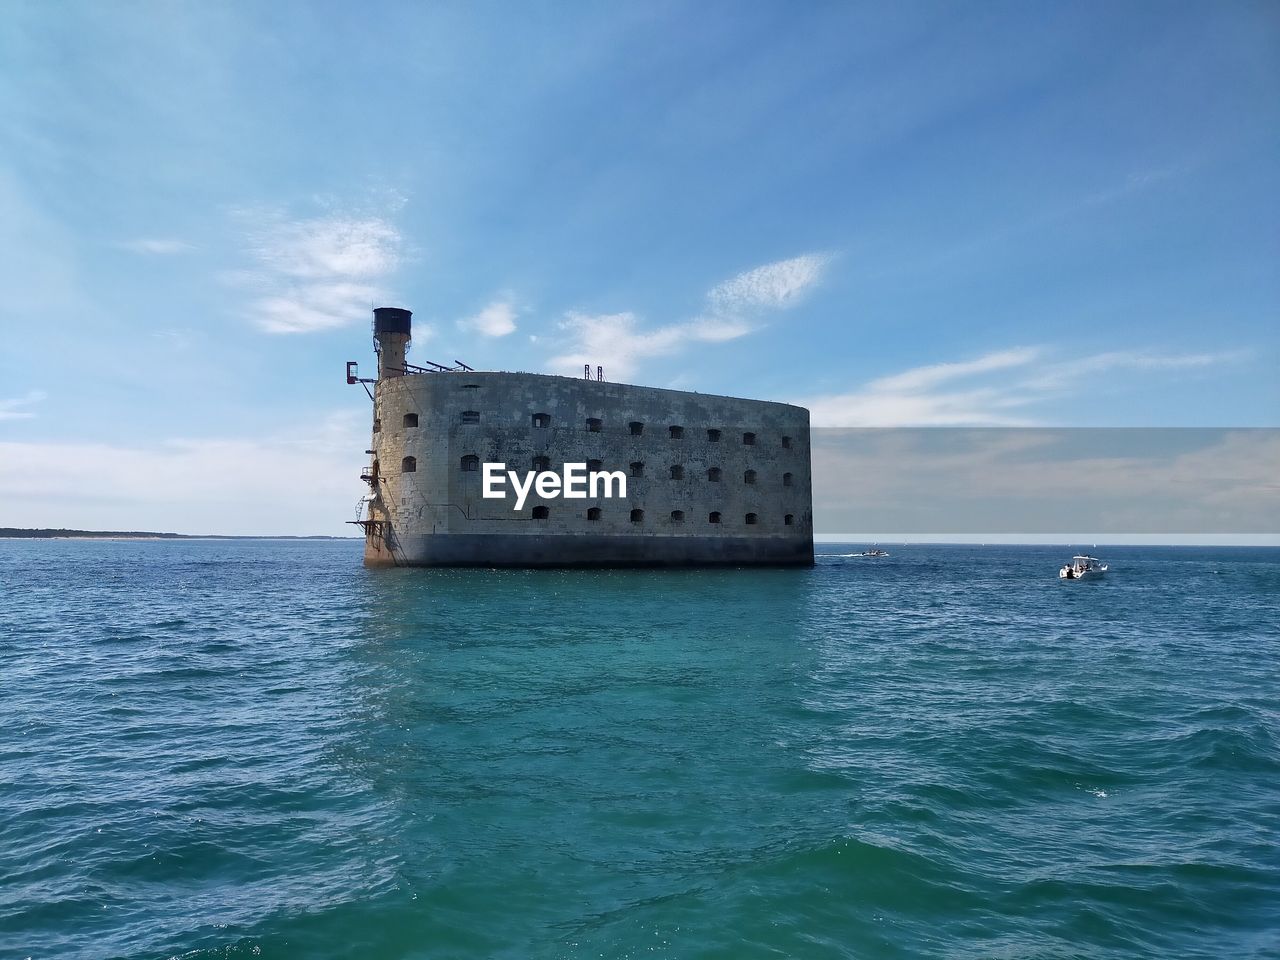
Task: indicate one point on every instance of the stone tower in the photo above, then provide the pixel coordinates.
(391, 335)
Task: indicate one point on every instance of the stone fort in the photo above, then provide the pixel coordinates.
(711, 480)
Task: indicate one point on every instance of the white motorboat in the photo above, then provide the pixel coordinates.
(1083, 568)
(873, 552)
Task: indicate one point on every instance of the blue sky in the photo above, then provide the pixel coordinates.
(896, 214)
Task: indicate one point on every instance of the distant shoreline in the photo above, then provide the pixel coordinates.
(59, 533)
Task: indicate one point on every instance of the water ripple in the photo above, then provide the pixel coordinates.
(253, 749)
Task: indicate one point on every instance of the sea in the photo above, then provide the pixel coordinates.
(221, 749)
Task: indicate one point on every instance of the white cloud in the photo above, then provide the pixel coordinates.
(1029, 481)
(496, 320)
(12, 409)
(224, 485)
(773, 285)
(996, 389)
(938, 373)
(160, 246)
(319, 273)
(616, 342)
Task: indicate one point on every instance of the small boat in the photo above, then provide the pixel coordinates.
(873, 552)
(1083, 568)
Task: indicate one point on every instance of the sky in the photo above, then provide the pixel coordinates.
(898, 215)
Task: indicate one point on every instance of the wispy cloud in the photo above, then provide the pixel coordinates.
(920, 378)
(15, 407)
(318, 273)
(618, 342)
(158, 246)
(996, 389)
(615, 341)
(771, 286)
(496, 320)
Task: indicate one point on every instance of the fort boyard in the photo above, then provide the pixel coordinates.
(709, 480)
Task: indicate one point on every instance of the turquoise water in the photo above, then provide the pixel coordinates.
(224, 749)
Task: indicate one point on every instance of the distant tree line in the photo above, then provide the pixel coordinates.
(48, 533)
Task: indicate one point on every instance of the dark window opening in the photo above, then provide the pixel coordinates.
(377, 425)
(541, 513)
(749, 477)
(788, 520)
(594, 465)
(470, 416)
(470, 463)
(677, 433)
(636, 428)
(637, 516)
(542, 419)
(751, 518)
(593, 513)
(748, 439)
(637, 468)
(410, 419)
(714, 474)
(786, 443)
(594, 424)
(471, 386)
(542, 463)
(677, 516)
(786, 479)
(677, 473)
(714, 517)
(409, 465)
(713, 436)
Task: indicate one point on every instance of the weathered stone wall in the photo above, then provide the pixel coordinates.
(438, 516)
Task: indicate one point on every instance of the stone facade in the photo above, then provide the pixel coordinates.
(746, 461)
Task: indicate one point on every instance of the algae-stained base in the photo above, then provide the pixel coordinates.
(496, 550)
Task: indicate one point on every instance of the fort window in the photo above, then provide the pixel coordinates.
(541, 513)
(749, 477)
(637, 516)
(751, 518)
(470, 463)
(410, 419)
(713, 436)
(594, 424)
(593, 513)
(471, 386)
(677, 516)
(542, 463)
(470, 416)
(637, 468)
(542, 419)
(677, 473)
(636, 428)
(714, 474)
(713, 517)
(377, 425)
(786, 479)
(748, 439)
(786, 443)
(788, 520)
(677, 433)
(409, 465)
